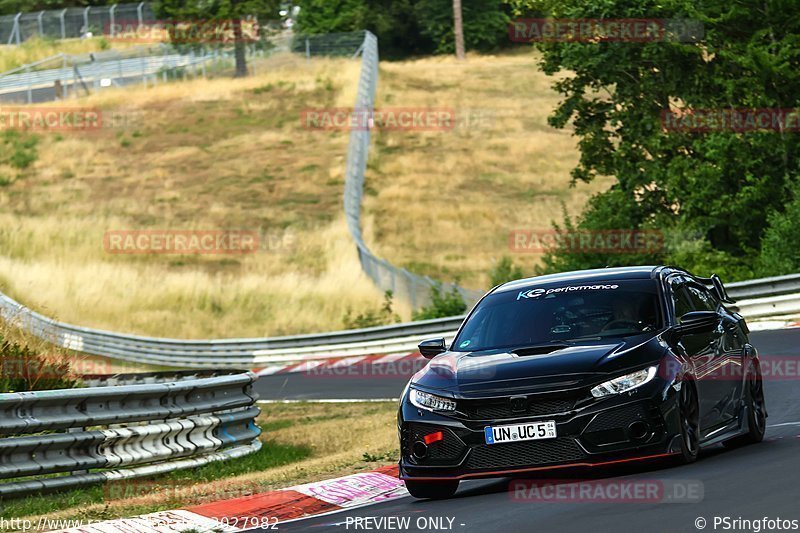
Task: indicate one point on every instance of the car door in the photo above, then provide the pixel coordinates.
(724, 381)
(703, 349)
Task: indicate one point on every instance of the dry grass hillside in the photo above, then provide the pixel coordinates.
(442, 203)
(225, 154)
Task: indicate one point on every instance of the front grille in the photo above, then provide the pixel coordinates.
(501, 409)
(447, 451)
(526, 453)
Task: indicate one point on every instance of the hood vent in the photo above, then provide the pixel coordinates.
(539, 350)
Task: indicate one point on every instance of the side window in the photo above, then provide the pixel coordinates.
(701, 299)
(680, 299)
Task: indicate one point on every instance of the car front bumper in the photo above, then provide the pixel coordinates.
(640, 424)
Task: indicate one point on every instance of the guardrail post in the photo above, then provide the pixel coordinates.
(30, 87)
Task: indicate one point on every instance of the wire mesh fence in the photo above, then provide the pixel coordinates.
(404, 284)
(72, 22)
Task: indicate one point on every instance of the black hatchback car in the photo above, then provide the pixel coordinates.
(585, 368)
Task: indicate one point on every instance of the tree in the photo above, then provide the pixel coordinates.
(222, 12)
(458, 27)
(721, 185)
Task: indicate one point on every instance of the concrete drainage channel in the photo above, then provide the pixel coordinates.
(124, 427)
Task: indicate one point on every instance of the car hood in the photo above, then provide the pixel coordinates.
(478, 374)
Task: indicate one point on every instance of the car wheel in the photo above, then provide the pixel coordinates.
(689, 413)
(756, 411)
(433, 490)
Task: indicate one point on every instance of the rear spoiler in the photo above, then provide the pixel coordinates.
(715, 283)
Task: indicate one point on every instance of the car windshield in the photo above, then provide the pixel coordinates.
(541, 314)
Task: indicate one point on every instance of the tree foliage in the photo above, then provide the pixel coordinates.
(409, 27)
(723, 187)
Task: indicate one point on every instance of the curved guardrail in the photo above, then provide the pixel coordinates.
(759, 298)
(124, 427)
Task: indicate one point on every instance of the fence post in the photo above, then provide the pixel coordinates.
(15, 31)
(63, 24)
(86, 20)
(111, 18)
(308, 49)
(139, 12)
(41, 25)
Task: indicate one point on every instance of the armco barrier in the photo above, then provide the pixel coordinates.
(760, 298)
(124, 427)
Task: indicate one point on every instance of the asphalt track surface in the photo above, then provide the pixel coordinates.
(748, 483)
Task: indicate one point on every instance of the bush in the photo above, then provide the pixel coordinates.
(503, 271)
(18, 149)
(780, 246)
(21, 369)
(379, 317)
(442, 305)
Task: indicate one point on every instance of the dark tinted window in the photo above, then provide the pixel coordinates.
(701, 299)
(567, 311)
(681, 302)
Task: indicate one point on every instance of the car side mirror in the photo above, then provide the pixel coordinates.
(697, 322)
(432, 347)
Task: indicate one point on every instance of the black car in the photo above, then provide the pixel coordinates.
(585, 368)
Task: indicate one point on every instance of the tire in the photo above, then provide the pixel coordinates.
(689, 414)
(756, 411)
(432, 490)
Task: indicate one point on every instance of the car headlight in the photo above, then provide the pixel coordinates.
(431, 402)
(625, 383)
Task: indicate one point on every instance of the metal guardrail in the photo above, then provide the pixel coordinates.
(756, 299)
(404, 284)
(122, 428)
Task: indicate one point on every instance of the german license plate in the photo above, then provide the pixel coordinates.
(518, 432)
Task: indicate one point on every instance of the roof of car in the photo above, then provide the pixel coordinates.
(597, 274)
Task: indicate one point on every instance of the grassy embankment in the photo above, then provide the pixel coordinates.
(233, 154)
